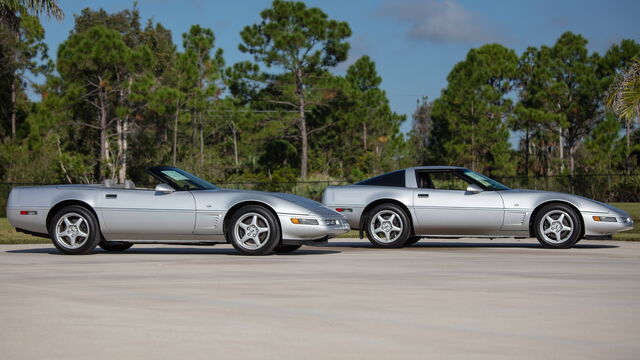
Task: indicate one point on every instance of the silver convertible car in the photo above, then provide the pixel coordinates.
(182, 209)
(400, 207)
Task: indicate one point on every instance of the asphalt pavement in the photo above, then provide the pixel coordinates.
(459, 299)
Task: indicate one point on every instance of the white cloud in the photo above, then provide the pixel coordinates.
(438, 21)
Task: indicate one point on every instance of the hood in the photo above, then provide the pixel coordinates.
(303, 201)
(311, 205)
(581, 202)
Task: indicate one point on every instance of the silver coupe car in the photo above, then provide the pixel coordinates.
(400, 207)
(182, 209)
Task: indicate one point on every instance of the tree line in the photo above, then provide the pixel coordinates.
(121, 96)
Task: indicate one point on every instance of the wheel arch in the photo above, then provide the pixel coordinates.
(535, 212)
(365, 213)
(62, 204)
(240, 205)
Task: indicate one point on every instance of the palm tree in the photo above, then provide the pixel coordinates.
(624, 97)
(9, 8)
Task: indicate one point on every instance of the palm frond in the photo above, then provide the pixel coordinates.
(9, 10)
(624, 93)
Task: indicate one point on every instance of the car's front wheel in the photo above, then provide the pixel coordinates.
(74, 230)
(114, 246)
(557, 226)
(388, 226)
(253, 230)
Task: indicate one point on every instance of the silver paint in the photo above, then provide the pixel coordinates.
(147, 215)
(452, 213)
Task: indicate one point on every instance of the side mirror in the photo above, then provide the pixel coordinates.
(164, 189)
(474, 189)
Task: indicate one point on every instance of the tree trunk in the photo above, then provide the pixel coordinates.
(561, 148)
(473, 138)
(175, 134)
(627, 163)
(104, 151)
(123, 127)
(194, 133)
(526, 153)
(235, 143)
(303, 134)
(302, 125)
(364, 135)
(201, 148)
(571, 158)
(123, 130)
(13, 108)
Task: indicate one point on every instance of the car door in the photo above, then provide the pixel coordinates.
(442, 206)
(147, 212)
(209, 211)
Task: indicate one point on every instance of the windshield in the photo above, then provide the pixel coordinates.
(180, 179)
(487, 182)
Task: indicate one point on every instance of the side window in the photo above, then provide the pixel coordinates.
(423, 180)
(395, 178)
(446, 181)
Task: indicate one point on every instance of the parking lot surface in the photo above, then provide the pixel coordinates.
(465, 299)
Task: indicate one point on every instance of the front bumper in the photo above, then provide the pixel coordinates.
(623, 222)
(326, 228)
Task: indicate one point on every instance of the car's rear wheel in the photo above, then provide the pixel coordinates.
(282, 248)
(74, 230)
(387, 226)
(557, 226)
(114, 246)
(253, 230)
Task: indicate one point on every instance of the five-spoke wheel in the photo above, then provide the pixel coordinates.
(388, 226)
(253, 230)
(74, 230)
(557, 226)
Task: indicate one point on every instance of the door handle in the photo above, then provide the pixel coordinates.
(423, 195)
(111, 196)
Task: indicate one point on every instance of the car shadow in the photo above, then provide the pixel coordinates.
(467, 244)
(175, 251)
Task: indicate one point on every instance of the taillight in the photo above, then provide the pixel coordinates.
(26, 212)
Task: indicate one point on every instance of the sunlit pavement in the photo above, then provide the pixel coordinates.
(466, 299)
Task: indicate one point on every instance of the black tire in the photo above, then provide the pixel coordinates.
(557, 220)
(286, 248)
(258, 242)
(114, 246)
(396, 223)
(412, 240)
(75, 220)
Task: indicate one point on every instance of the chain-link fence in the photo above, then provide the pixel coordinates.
(603, 187)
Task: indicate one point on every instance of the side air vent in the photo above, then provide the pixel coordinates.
(514, 218)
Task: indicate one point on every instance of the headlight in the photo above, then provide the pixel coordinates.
(302, 221)
(605, 218)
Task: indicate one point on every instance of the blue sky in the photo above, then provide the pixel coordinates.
(414, 43)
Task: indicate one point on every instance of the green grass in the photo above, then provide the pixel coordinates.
(634, 210)
(350, 234)
(8, 234)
